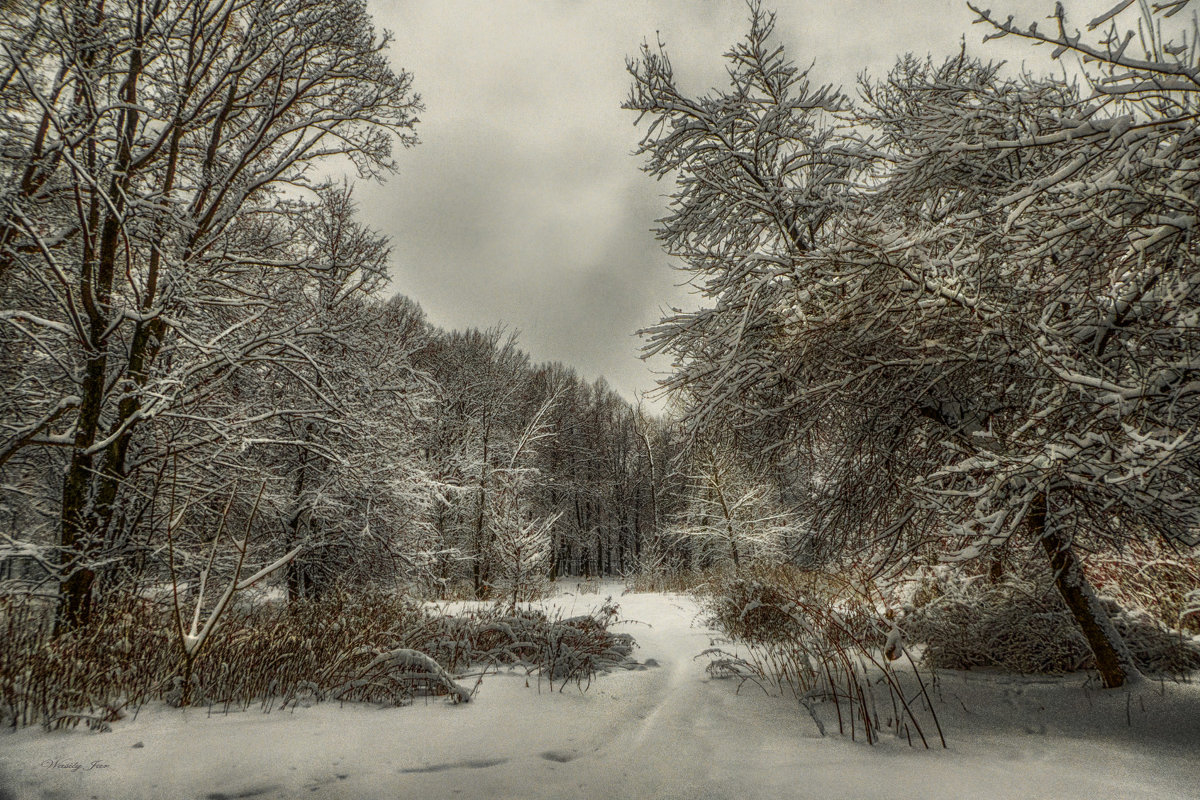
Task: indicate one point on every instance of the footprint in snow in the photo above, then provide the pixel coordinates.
(240, 795)
(476, 764)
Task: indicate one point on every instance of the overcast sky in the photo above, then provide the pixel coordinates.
(522, 205)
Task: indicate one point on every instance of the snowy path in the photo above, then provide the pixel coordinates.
(662, 732)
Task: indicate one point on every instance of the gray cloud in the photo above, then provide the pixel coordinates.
(523, 205)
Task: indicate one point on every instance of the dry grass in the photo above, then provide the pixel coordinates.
(90, 677)
(367, 646)
(676, 581)
(820, 637)
(533, 589)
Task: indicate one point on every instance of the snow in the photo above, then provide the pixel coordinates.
(664, 730)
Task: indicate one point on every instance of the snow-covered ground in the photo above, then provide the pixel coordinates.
(666, 731)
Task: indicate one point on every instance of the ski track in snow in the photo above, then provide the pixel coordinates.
(663, 732)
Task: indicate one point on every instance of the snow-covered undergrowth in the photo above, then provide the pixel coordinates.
(1161, 581)
(1019, 622)
(666, 729)
(836, 641)
(366, 646)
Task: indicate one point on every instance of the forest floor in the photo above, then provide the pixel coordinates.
(664, 730)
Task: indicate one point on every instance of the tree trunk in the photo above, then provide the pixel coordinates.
(1113, 659)
(478, 572)
(555, 547)
(637, 536)
(555, 558)
(295, 572)
(87, 503)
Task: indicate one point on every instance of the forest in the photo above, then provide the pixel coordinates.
(933, 416)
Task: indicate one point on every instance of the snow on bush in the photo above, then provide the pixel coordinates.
(566, 650)
(1155, 578)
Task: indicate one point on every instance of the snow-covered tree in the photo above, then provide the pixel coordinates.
(731, 505)
(520, 546)
(479, 419)
(760, 172)
(145, 251)
(987, 322)
(350, 481)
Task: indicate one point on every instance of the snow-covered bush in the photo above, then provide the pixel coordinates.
(571, 649)
(758, 608)
(1153, 578)
(1015, 625)
(1020, 624)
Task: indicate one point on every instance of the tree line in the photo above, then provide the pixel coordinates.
(954, 314)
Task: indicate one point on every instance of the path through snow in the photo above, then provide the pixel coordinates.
(666, 731)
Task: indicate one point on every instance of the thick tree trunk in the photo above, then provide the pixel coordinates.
(477, 574)
(1113, 659)
(622, 548)
(88, 498)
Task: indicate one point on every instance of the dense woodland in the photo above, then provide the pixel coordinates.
(950, 319)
